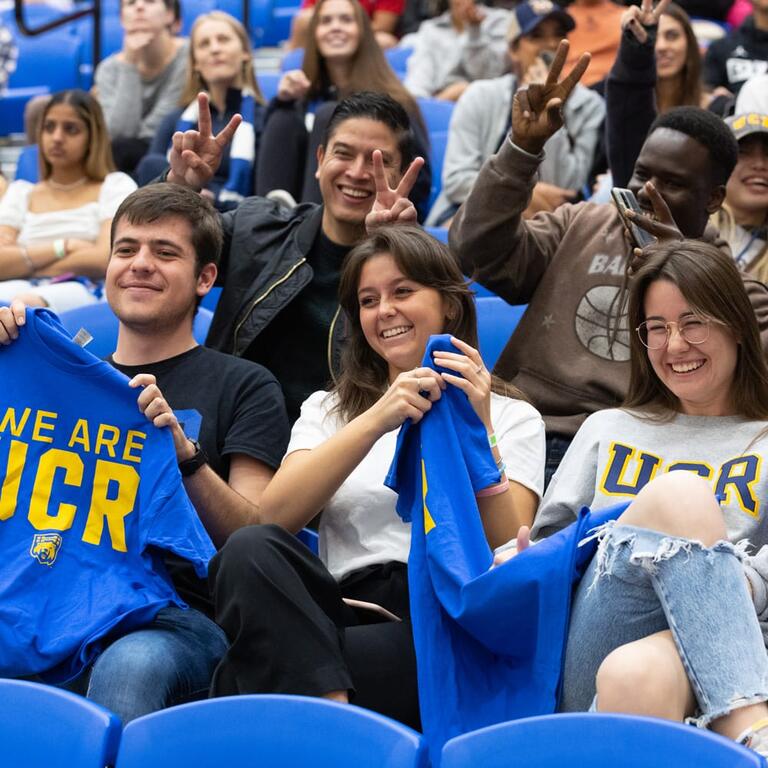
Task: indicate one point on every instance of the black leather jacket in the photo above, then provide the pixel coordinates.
(264, 267)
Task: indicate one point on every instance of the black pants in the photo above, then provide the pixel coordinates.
(290, 631)
(557, 445)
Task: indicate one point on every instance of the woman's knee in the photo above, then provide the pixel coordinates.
(680, 503)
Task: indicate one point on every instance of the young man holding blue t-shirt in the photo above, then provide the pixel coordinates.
(165, 245)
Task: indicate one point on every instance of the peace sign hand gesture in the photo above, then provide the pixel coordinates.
(392, 206)
(636, 19)
(537, 109)
(195, 155)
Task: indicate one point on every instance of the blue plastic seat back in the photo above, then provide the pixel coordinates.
(436, 113)
(292, 60)
(50, 60)
(437, 144)
(496, 322)
(284, 731)
(47, 727)
(100, 321)
(268, 82)
(309, 539)
(398, 59)
(439, 233)
(597, 741)
(26, 164)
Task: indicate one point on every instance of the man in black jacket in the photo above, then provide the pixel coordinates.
(280, 268)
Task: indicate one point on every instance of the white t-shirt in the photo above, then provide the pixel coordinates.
(82, 223)
(360, 525)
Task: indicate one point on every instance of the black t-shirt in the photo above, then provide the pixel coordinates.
(294, 346)
(229, 405)
(735, 58)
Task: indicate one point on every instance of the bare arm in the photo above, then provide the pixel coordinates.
(308, 479)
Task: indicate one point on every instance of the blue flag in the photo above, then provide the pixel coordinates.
(489, 643)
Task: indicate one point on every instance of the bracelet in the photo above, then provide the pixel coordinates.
(60, 249)
(26, 259)
(494, 490)
(492, 440)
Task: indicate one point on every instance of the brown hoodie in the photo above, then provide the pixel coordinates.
(567, 354)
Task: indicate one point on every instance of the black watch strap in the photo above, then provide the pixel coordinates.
(189, 466)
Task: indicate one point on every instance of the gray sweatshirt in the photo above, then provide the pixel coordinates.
(133, 107)
(615, 453)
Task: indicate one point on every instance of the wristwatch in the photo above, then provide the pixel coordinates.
(189, 466)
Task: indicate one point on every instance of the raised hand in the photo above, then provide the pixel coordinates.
(293, 86)
(195, 155)
(537, 109)
(662, 226)
(637, 18)
(392, 206)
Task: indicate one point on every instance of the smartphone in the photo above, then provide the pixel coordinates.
(625, 200)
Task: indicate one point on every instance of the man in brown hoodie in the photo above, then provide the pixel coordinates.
(570, 351)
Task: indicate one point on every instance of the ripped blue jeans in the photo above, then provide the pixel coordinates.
(641, 582)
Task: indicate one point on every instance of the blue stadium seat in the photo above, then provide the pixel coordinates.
(26, 164)
(436, 113)
(398, 59)
(310, 539)
(439, 233)
(268, 82)
(496, 322)
(437, 143)
(211, 299)
(597, 741)
(292, 60)
(99, 320)
(47, 727)
(271, 20)
(285, 731)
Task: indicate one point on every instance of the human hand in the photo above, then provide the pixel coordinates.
(637, 18)
(134, 43)
(547, 197)
(523, 542)
(293, 85)
(467, 11)
(453, 91)
(392, 206)
(409, 396)
(662, 227)
(157, 410)
(11, 319)
(537, 109)
(195, 155)
(475, 379)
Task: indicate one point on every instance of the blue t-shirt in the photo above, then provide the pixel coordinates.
(89, 494)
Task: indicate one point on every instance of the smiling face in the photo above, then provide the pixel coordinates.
(747, 188)
(671, 47)
(397, 314)
(545, 36)
(345, 173)
(218, 53)
(64, 137)
(337, 33)
(679, 167)
(701, 376)
(151, 282)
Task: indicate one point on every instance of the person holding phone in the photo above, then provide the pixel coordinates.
(570, 352)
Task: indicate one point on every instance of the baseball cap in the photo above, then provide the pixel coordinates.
(747, 124)
(529, 14)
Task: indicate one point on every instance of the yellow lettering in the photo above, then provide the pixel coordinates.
(52, 460)
(9, 421)
(41, 424)
(134, 441)
(102, 441)
(80, 436)
(9, 494)
(113, 509)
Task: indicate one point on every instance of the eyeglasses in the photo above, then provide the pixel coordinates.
(656, 335)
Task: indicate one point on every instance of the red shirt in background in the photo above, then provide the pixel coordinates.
(371, 6)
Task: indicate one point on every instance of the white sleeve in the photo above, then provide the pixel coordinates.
(573, 485)
(114, 189)
(520, 434)
(14, 205)
(422, 71)
(315, 423)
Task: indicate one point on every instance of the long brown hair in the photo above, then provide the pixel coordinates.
(369, 68)
(712, 285)
(98, 161)
(364, 375)
(195, 83)
(688, 90)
